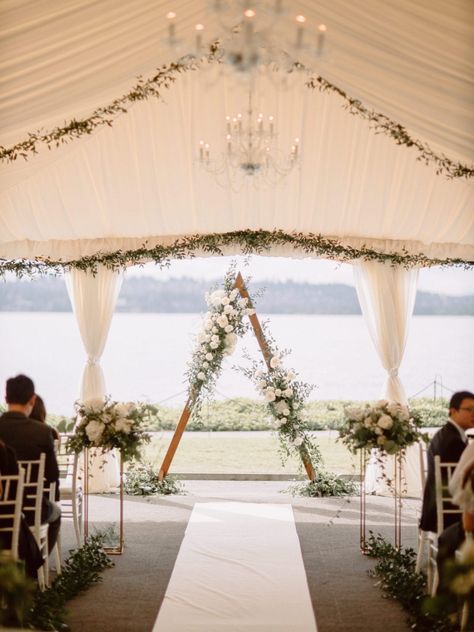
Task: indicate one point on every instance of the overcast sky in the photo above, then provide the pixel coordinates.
(455, 281)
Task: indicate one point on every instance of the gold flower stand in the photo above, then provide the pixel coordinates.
(395, 487)
(110, 550)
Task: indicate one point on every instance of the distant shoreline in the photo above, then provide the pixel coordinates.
(187, 296)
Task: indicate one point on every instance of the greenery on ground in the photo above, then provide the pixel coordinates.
(324, 484)
(398, 579)
(142, 479)
(46, 610)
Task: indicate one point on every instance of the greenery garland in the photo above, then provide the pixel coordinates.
(399, 580)
(216, 244)
(383, 124)
(167, 74)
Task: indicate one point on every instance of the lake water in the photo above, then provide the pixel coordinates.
(146, 355)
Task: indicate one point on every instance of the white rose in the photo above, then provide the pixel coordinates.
(222, 321)
(228, 309)
(214, 345)
(208, 325)
(378, 431)
(286, 412)
(278, 392)
(215, 338)
(205, 365)
(288, 392)
(270, 395)
(217, 294)
(281, 422)
(123, 425)
(201, 376)
(291, 376)
(228, 329)
(381, 440)
(242, 302)
(385, 422)
(95, 404)
(209, 356)
(225, 300)
(368, 423)
(214, 330)
(275, 362)
(94, 430)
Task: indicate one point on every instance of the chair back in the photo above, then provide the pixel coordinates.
(423, 448)
(444, 506)
(11, 501)
(33, 490)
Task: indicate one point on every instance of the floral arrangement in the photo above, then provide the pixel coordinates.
(107, 425)
(285, 397)
(223, 324)
(387, 427)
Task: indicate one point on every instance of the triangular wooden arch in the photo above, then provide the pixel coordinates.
(188, 407)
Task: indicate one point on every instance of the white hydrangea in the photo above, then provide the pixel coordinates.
(385, 422)
(95, 430)
(95, 404)
(123, 425)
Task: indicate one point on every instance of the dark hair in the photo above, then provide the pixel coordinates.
(20, 389)
(456, 399)
(39, 410)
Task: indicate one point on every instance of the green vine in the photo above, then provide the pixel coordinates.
(141, 479)
(167, 74)
(398, 579)
(325, 484)
(80, 571)
(217, 244)
(383, 124)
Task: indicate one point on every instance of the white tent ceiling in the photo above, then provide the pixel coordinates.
(139, 180)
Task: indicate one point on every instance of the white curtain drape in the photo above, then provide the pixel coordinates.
(93, 299)
(387, 298)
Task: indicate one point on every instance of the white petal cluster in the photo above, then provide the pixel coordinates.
(95, 430)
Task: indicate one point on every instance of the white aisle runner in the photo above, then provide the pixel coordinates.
(239, 568)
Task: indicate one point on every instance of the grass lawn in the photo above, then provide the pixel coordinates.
(241, 452)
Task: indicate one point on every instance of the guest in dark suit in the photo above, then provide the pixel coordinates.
(449, 443)
(29, 438)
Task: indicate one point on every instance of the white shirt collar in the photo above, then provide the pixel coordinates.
(460, 430)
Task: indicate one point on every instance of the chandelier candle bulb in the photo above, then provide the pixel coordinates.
(229, 143)
(171, 25)
(227, 118)
(199, 29)
(300, 19)
(271, 121)
(201, 150)
(207, 152)
(321, 36)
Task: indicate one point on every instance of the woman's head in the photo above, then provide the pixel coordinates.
(39, 410)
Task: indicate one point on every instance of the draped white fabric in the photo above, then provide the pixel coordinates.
(93, 299)
(139, 182)
(387, 297)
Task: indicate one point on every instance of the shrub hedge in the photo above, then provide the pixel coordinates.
(249, 414)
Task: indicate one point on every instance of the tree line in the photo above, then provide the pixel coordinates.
(186, 295)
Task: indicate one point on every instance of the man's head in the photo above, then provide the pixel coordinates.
(461, 409)
(20, 394)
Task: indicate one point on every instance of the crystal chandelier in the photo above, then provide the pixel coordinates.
(250, 149)
(253, 36)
